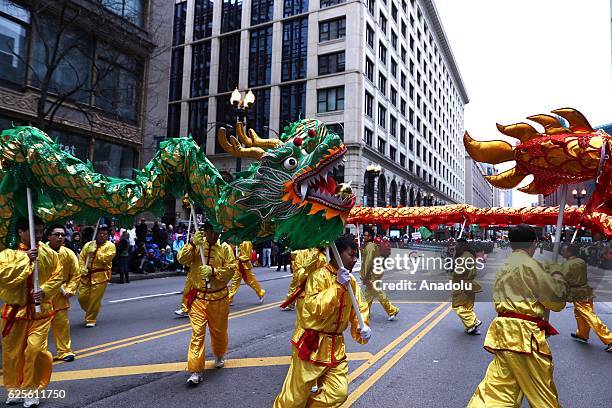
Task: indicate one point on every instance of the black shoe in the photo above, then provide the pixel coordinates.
(580, 339)
(68, 358)
(608, 348)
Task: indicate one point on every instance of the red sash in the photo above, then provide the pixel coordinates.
(549, 330)
(308, 343)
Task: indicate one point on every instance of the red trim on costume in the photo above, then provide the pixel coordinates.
(549, 330)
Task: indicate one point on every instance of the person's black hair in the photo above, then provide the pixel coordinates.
(51, 227)
(369, 230)
(207, 226)
(522, 236)
(23, 224)
(573, 249)
(344, 242)
(462, 246)
(103, 227)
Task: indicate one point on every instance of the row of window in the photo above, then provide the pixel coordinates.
(83, 69)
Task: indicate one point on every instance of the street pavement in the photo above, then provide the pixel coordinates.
(136, 356)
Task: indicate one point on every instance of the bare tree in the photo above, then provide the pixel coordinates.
(85, 59)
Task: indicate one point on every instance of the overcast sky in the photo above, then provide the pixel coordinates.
(523, 57)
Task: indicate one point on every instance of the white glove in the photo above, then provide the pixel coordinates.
(343, 277)
(365, 332)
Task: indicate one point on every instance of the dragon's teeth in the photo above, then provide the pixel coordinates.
(304, 190)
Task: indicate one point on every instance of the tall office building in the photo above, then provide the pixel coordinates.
(379, 73)
(478, 191)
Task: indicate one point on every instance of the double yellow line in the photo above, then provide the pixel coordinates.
(130, 341)
(377, 375)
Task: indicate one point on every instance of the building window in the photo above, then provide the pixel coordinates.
(403, 54)
(113, 160)
(392, 153)
(198, 121)
(118, 88)
(261, 11)
(295, 43)
(382, 52)
(369, 69)
(338, 129)
(293, 103)
(203, 19)
(411, 166)
(174, 120)
(403, 134)
(180, 23)
(392, 126)
(295, 7)
(13, 42)
(176, 74)
(330, 99)
(71, 78)
(229, 55)
(369, 100)
(403, 29)
(382, 116)
(367, 136)
(331, 63)
(260, 56)
(200, 69)
(131, 10)
(403, 80)
(332, 29)
(259, 114)
(382, 146)
(394, 12)
(231, 17)
(393, 96)
(402, 160)
(370, 36)
(329, 3)
(382, 84)
(411, 116)
(382, 20)
(371, 4)
(393, 68)
(393, 40)
(403, 106)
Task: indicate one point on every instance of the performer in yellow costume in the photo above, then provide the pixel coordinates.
(522, 365)
(303, 262)
(95, 277)
(207, 300)
(318, 352)
(71, 273)
(26, 362)
(575, 272)
(245, 272)
(368, 253)
(465, 271)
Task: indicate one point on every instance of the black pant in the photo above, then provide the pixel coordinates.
(124, 262)
(282, 260)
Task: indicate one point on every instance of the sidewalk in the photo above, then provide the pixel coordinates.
(262, 274)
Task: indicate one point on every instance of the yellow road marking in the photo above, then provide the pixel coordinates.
(377, 375)
(354, 374)
(130, 341)
(181, 366)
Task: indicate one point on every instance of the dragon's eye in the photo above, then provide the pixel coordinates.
(290, 163)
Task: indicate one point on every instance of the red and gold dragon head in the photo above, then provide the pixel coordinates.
(560, 155)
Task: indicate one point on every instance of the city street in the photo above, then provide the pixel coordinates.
(136, 356)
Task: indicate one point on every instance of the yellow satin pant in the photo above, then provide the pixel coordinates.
(510, 376)
(371, 293)
(463, 305)
(26, 362)
(90, 299)
(587, 319)
(302, 376)
(60, 327)
(213, 314)
(250, 280)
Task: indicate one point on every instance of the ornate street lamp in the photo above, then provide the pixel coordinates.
(241, 108)
(579, 197)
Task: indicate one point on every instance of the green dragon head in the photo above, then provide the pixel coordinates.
(291, 185)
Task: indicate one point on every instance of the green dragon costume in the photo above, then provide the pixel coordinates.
(287, 192)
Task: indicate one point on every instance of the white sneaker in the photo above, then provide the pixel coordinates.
(392, 318)
(261, 299)
(90, 325)
(31, 402)
(195, 378)
(180, 313)
(314, 389)
(13, 401)
(219, 362)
